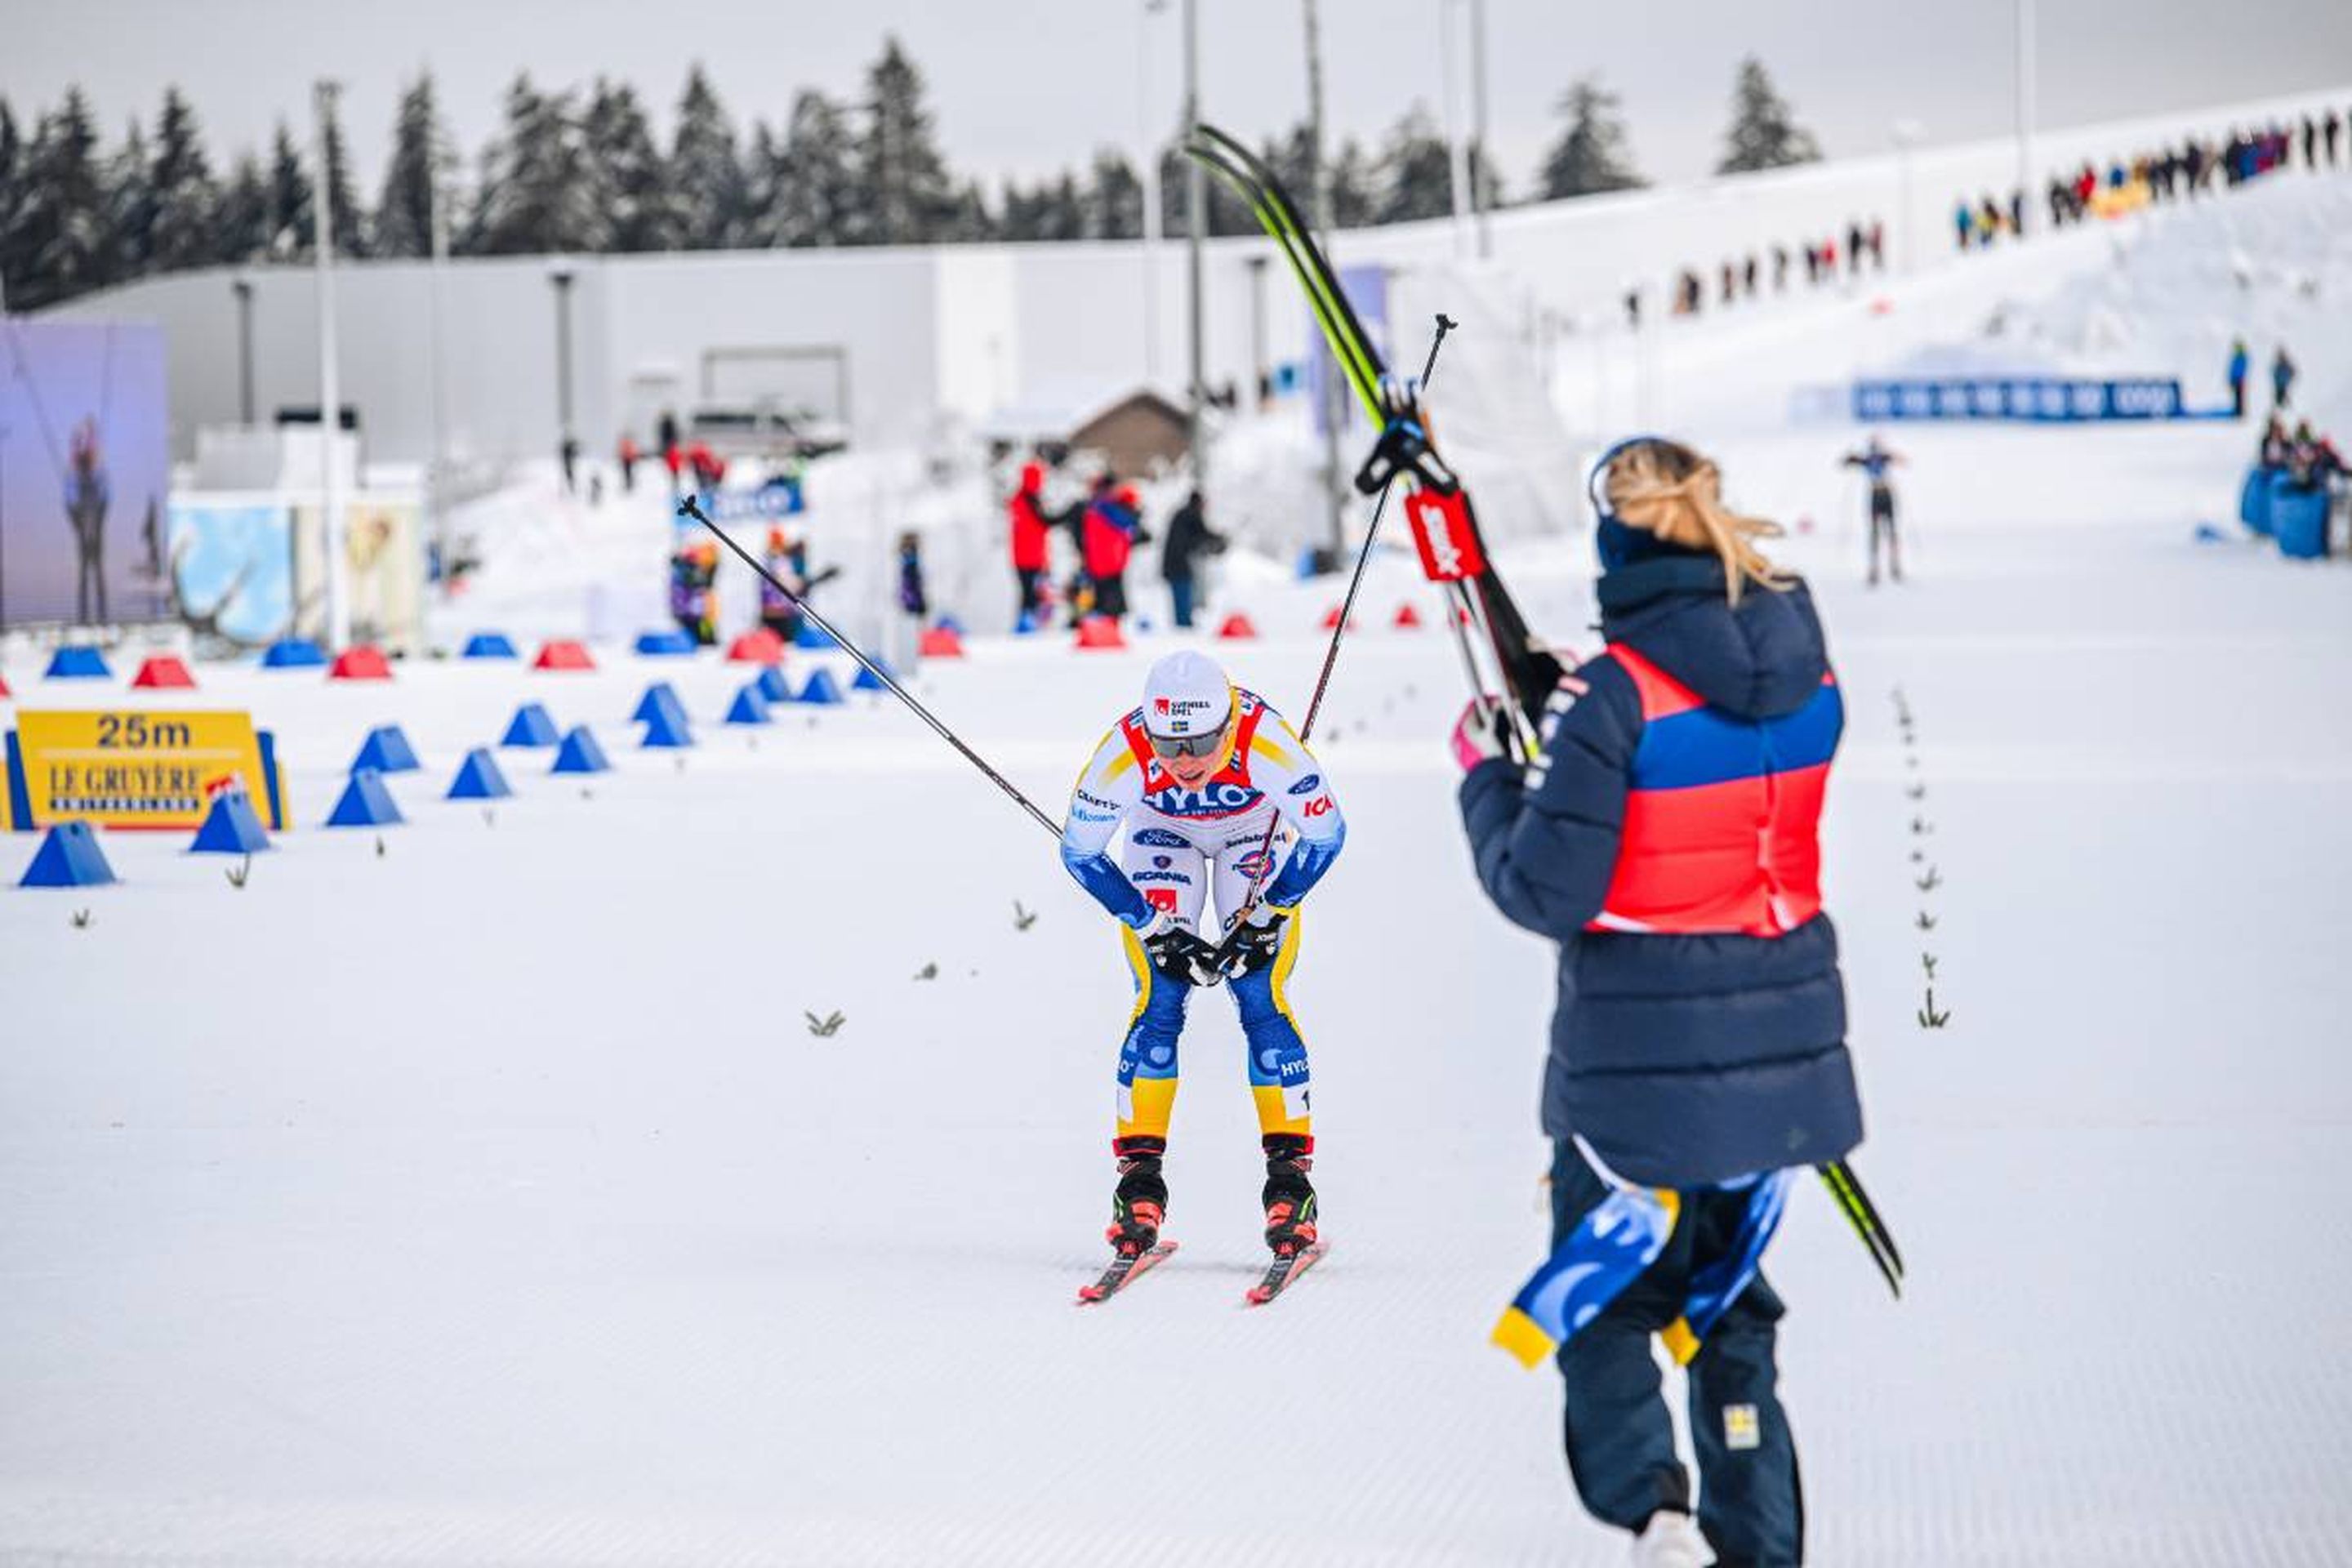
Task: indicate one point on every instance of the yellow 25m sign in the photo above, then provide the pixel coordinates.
(131, 767)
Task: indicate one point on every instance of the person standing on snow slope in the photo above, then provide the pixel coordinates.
(1026, 512)
(1197, 774)
(1666, 837)
(1876, 461)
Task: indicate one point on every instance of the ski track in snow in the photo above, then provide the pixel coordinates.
(489, 1202)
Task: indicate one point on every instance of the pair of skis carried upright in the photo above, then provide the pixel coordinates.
(1452, 552)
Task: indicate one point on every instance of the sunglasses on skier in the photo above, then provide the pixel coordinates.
(1205, 745)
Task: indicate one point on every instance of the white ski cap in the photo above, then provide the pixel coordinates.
(1186, 694)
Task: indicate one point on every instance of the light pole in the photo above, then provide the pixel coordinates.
(436, 383)
(1479, 127)
(1906, 134)
(560, 277)
(331, 402)
(242, 286)
(2025, 95)
(1196, 222)
(1335, 507)
(1257, 332)
(1151, 144)
(1458, 149)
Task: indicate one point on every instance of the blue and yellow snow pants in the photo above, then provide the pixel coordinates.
(1619, 1435)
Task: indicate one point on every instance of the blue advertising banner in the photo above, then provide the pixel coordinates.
(2034, 398)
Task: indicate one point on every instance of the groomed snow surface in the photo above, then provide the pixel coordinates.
(489, 1199)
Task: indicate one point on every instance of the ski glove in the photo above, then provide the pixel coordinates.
(1483, 731)
(1254, 942)
(1177, 953)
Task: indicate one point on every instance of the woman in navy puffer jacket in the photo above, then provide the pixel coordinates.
(1666, 837)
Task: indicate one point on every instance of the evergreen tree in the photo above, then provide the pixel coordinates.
(346, 219)
(186, 201)
(241, 221)
(1354, 196)
(633, 182)
(416, 176)
(293, 230)
(1415, 172)
(130, 209)
(807, 190)
(1591, 156)
(12, 184)
(61, 236)
(539, 195)
(706, 171)
(1114, 199)
(907, 194)
(1764, 132)
(970, 220)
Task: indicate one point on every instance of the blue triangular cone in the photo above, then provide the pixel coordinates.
(822, 689)
(949, 623)
(868, 681)
(810, 634)
(667, 730)
(78, 664)
(532, 725)
(231, 827)
(387, 751)
(665, 645)
(750, 706)
(773, 684)
(293, 653)
(365, 804)
(660, 698)
(580, 753)
(1027, 625)
(479, 778)
(68, 857)
(488, 645)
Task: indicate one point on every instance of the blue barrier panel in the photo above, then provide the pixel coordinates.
(2033, 399)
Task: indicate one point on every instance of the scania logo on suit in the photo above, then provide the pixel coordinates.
(1208, 800)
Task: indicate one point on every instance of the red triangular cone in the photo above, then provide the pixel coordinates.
(563, 656)
(164, 672)
(1099, 632)
(362, 662)
(1238, 627)
(941, 641)
(1407, 617)
(758, 645)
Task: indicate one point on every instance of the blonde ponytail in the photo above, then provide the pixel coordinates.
(1666, 489)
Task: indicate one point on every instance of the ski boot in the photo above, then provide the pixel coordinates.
(1288, 1195)
(1140, 1200)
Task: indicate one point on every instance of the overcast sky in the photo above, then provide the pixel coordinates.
(1023, 87)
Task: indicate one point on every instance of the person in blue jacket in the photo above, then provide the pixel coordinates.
(1666, 837)
(2240, 363)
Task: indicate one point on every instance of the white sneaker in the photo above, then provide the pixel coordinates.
(1671, 1540)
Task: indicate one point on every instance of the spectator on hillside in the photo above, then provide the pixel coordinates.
(1964, 223)
(2240, 363)
(1780, 269)
(2281, 378)
(1190, 538)
(2273, 452)
(628, 455)
(2330, 128)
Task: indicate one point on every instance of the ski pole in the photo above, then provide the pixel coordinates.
(1445, 324)
(689, 507)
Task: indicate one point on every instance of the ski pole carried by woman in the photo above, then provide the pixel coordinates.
(1666, 837)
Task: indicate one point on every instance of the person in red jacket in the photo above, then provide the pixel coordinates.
(1027, 510)
(1114, 525)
